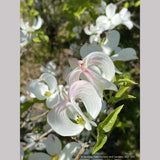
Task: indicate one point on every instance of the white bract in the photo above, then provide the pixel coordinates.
(26, 30)
(89, 48)
(94, 32)
(23, 99)
(125, 16)
(36, 25)
(50, 68)
(108, 22)
(63, 92)
(67, 119)
(111, 20)
(103, 23)
(91, 68)
(25, 38)
(55, 151)
(110, 46)
(44, 88)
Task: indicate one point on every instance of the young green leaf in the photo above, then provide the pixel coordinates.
(127, 80)
(104, 127)
(101, 140)
(121, 91)
(108, 123)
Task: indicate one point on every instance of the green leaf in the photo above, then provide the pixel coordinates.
(104, 127)
(108, 123)
(101, 140)
(114, 100)
(127, 80)
(79, 12)
(121, 91)
(36, 39)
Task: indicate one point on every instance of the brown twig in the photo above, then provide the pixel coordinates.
(33, 118)
(33, 143)
(82, 150)
(39, 116)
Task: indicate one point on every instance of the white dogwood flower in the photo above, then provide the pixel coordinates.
(108, 47)
(36, 25)
(111, 20)
(94, 32)
(55, 151)
(67, 119)
(50, 68)
(25, 38)
(103, 23)
(44, 88)
(25, 31)
(108, 22)
(92, 67)
(125, 18)
(111, 44)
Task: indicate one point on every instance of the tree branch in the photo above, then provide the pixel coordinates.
(33, 143)
(82, 150)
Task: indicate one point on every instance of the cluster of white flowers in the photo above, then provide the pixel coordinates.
(75, 107)
(55, 151)
(53, 147)
(26, 31)
(108, 21)
(86, 81)
(110, 48)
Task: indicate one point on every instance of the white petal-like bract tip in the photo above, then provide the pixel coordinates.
(125, 55)
(69, 150)
(50, 80)
(53, 145)
(110, 10)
